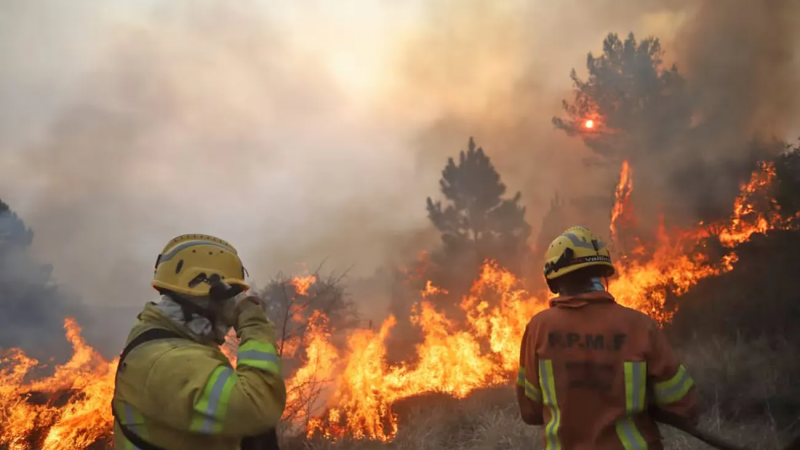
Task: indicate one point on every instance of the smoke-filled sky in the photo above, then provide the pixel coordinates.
(310, 129)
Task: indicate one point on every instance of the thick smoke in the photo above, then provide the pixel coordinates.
(304, 131)
(197, 116)
(499, 70)
(204, 117)
(740, 60)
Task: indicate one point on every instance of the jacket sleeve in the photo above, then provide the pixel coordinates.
(210, 397)
(529, 394)
(671, 384)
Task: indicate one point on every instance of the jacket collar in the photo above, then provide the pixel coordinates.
(581, 300)
(155, 317)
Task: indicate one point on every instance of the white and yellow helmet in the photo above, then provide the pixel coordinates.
(188, 260)
(576, 248)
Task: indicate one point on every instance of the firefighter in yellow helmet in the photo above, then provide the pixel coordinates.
(175, 389)
(593, 371)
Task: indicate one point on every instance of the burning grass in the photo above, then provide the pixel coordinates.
(66, 410)
(735, 378)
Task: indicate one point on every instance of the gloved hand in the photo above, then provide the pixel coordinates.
(251, 315)
(228, 312)
(250, 305)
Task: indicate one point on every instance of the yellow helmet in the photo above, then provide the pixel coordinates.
(576, 248)
(188, 260)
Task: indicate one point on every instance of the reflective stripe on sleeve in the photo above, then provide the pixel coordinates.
(548, 384)
(675, 388)
(260, 355)
(531, 390)
(635, 388)
(211, 407)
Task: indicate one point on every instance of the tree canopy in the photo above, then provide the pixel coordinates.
(636, 106)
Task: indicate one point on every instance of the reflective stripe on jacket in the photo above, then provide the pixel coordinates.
(589, 370)
(183, 394)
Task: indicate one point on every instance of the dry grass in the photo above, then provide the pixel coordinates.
(737, 382)
(746, 379)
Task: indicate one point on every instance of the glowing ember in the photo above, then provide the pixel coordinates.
(348, 390)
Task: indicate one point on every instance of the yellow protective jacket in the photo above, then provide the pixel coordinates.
(182, 394)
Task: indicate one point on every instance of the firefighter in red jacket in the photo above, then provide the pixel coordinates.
(590, 368)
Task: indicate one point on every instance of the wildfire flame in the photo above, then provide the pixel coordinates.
(589, 124)
(765, 218)
(70, 409)
(622, 196)
(302, 284)
(348, 390)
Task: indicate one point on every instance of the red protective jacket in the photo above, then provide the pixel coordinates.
(589, 370)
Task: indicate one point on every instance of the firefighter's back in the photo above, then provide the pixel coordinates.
(591, 354)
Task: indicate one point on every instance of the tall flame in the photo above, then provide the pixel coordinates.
(622, 198)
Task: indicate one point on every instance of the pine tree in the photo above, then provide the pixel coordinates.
(477, 222)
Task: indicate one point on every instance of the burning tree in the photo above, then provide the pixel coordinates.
(292, 301)
(477, 223)
(689, 161)
(630, 106)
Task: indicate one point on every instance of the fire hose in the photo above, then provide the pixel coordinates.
(689, 428)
